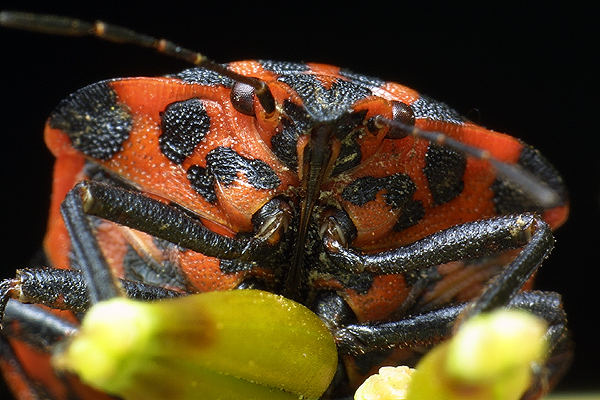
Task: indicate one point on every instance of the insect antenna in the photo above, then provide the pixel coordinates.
(67, 26)
(529, 184)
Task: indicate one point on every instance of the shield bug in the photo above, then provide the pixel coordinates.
(387, 213)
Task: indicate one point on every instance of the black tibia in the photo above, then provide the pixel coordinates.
(470, 240)
(434, 326)
(66, 289)
(35, 325)
(55, 288)
(423, 329)
(512, 278)
(164, 221)
(87, 255)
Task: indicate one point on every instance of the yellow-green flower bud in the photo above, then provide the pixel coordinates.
(239, 344)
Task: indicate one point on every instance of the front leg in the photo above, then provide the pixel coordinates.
(138, 211)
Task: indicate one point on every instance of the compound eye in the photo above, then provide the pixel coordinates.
(242, 98)
(403, 114)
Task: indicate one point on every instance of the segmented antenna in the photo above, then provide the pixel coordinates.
(66, 26)
(529, 184)
(58, 25)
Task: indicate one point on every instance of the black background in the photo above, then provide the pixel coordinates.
(522, 70)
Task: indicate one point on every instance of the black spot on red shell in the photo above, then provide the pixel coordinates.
(202, 76)
(369, 81)
(184, 124)
(425, 107)
(509, 198)
(202, 182)
(283, 67)
(412, 212)
(444, 170)
(225, 165)
(347, 132)
(94, 119)
(399, 190)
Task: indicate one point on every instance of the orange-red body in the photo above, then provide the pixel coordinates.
(142, 165)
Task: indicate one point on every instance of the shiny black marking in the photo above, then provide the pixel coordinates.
(444, 170)
(508, 198)
(223, 164)
(202, 182)
(148, 270)
(533, 161)
(412, 212)
(201, 76)
(184, 125)
(295, 122)
(346, 131)
(399, 190)
(425, 107)
(362, 190)
(94, 119)
(226, 164)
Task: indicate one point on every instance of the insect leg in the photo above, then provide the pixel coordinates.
(513, 277)
(65, 289)
(470, 240)
(434, 326)
(37, 329)
(164, 221)
(101, 284)
(37, 325)
(28, 335)
(60, 288)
